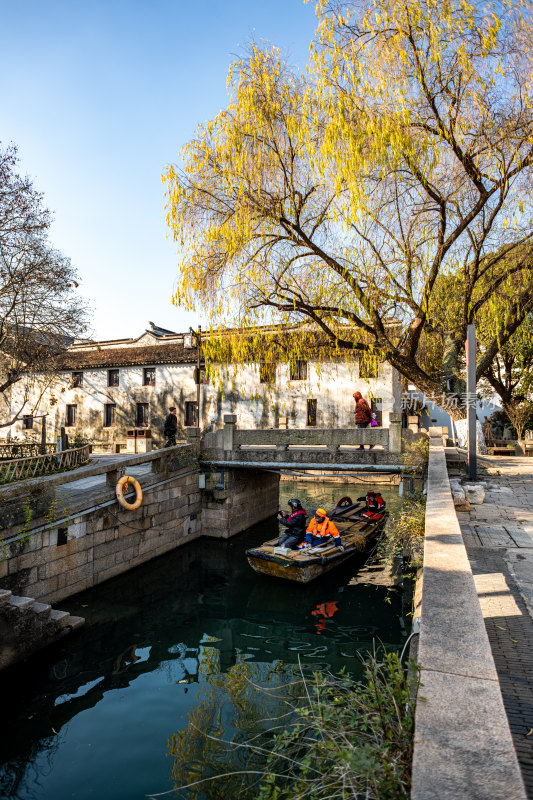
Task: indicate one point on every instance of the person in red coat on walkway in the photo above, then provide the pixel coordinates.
(363, 414)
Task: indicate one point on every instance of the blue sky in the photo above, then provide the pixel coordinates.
(99, 95)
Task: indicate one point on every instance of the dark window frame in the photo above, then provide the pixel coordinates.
(27, 422)
(113, 374)
(77, 380)
(267, 372)
(312, 407)
(191, 414)
(71, 415)
(62, 536)
(201, 377)
(142, 417)
(298, 370)
(110, 415)
(148, 376)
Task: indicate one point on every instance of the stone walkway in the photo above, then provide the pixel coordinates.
(77, 495)
(498, 536)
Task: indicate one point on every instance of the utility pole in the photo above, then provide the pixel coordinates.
(198, 377)
(471, 416)
(199, 374)
(42, 446)
(43, 435)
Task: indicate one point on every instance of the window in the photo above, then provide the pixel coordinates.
(112, 377)
(149, 376)
(200, 376)
(311, 413)
(267, 372)
(191, 415)
(77, 380)
(62, 536)
(27, 422)
(72, 415)
(368, 367)
(298, 371)
(141, 420)
(110, 415)
(376, 406)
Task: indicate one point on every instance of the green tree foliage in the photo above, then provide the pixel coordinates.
(511, 373)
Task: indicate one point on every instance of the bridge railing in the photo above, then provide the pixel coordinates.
(312, 437)
(289, 444)
(19, 469)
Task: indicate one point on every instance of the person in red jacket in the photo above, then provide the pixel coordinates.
(363, 414)
(375, 505)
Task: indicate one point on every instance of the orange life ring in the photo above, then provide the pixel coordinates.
(121, 488)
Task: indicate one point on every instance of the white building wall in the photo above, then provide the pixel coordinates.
(256, 405)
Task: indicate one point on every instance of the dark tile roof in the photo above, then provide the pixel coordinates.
(171, 353)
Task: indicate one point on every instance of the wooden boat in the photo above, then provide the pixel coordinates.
(357, 533)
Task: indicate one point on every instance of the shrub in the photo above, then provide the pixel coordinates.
(350, 740)
(338, 737)
(416, 456)
(404, 534)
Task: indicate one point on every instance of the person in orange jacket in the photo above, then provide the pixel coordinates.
(323, 612)
(320, 528)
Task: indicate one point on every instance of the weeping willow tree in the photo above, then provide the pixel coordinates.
(511, 376)
(342, 200)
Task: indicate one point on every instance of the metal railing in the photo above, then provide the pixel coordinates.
(20, 469)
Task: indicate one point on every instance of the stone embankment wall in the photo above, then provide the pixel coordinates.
(95, 545)
(27, 625)
(57, 540)
(463, 748)
(240, 501)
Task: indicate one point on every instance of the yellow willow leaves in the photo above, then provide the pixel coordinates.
(331, 194)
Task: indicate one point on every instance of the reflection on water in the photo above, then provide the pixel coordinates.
(175, 658)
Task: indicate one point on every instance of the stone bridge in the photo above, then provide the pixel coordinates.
(306, 448)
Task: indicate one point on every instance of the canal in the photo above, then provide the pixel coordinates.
(178, 659)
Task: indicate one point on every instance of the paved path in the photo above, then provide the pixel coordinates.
(499, 540)
(77, 495)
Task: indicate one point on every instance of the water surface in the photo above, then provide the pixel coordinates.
(178, 649)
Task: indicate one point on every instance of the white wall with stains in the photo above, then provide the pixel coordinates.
(256, 405)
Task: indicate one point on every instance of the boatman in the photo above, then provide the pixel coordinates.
(320, 528)
(375, 505)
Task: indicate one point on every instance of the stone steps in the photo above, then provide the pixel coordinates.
(26, 625)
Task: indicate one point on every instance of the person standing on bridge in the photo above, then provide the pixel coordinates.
(171, 427)
(363, 415)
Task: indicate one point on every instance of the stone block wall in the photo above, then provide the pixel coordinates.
(248, 496)
(53, 564)
(27, 625)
